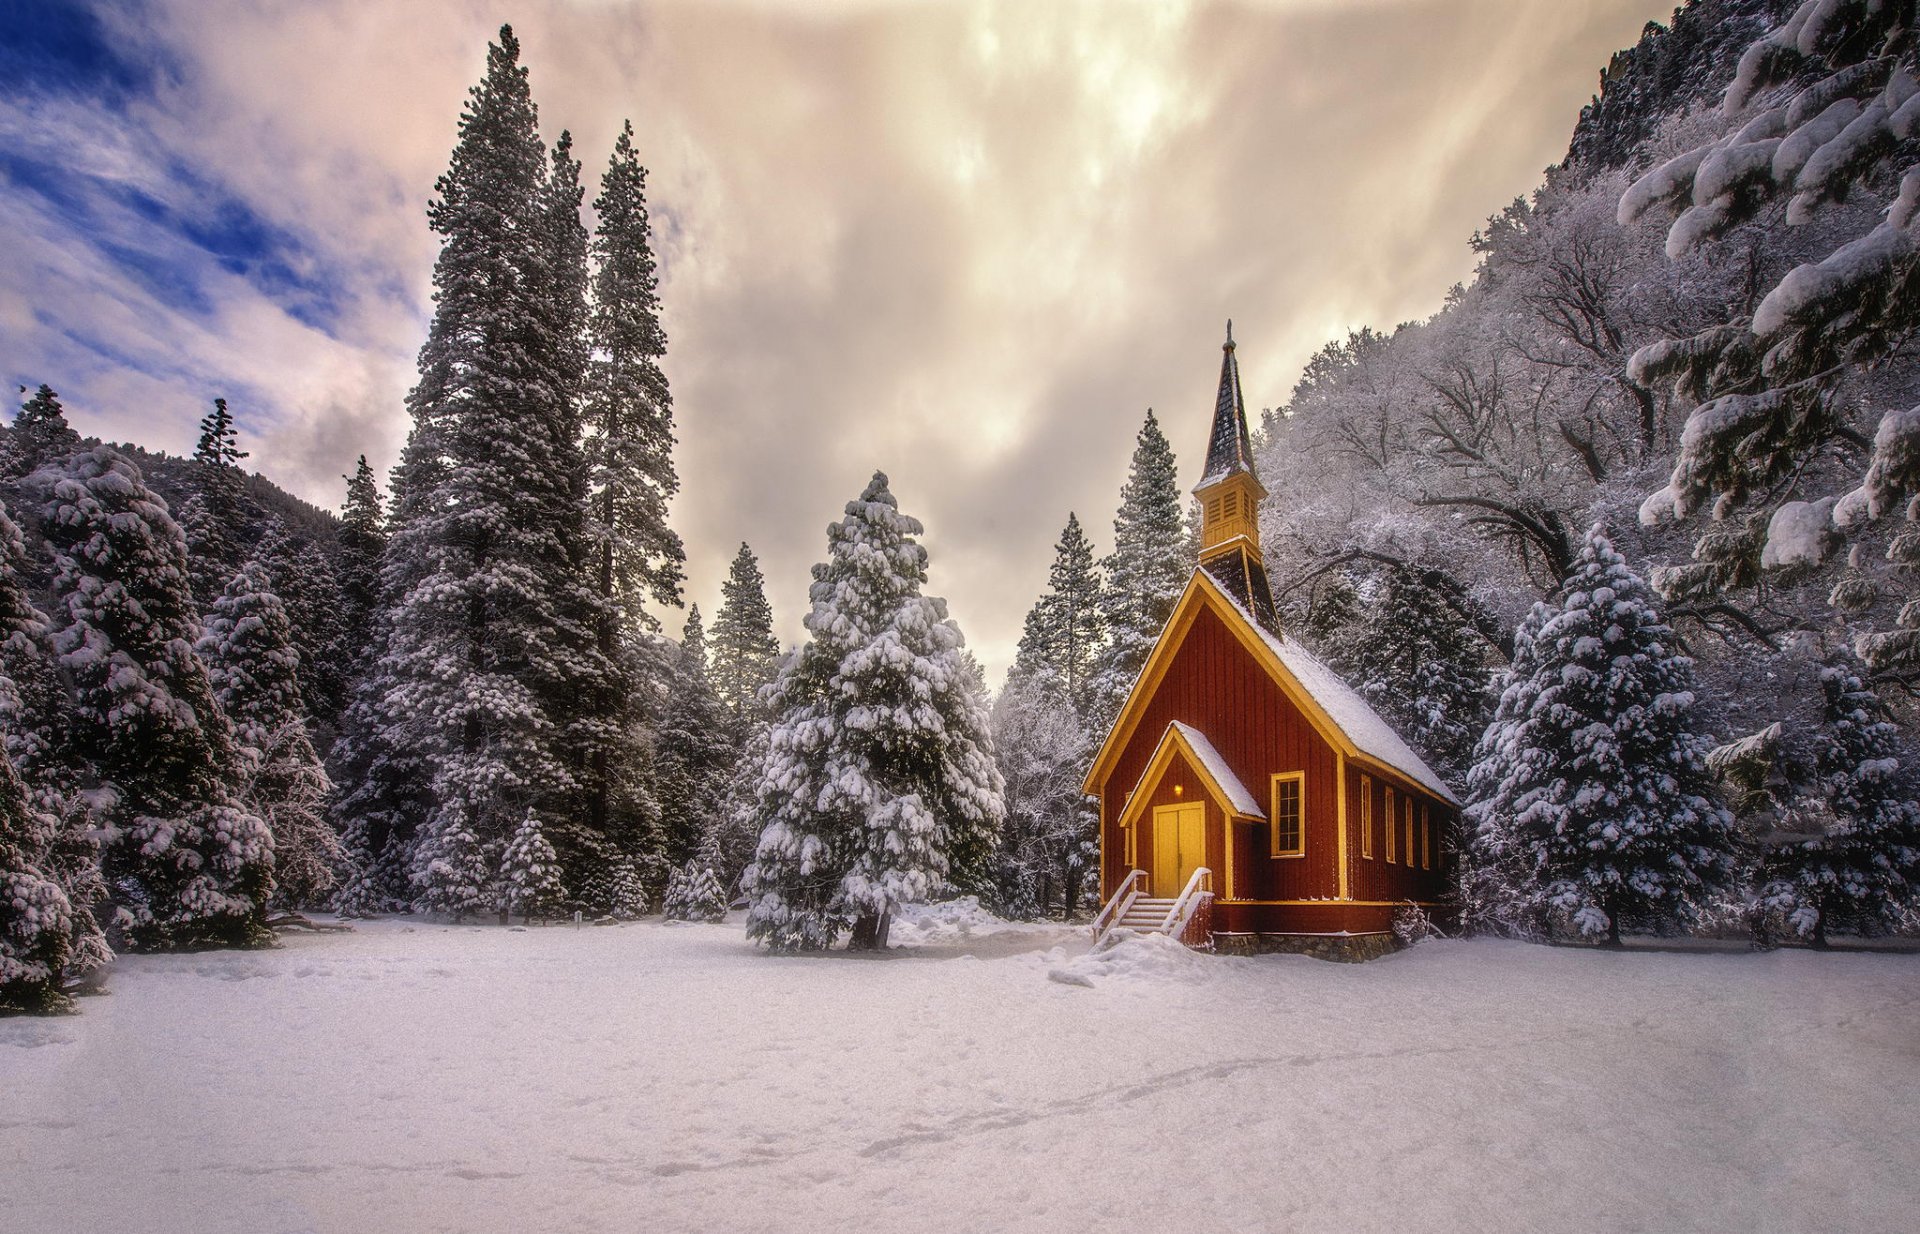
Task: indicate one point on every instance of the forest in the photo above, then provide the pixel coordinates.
(1623, 539)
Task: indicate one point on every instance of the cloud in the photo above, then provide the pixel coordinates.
(965, 243)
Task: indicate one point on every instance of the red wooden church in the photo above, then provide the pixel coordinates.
(1243, 767)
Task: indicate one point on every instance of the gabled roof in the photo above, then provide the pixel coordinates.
(1221, 784)
(1229, 448)
(1337, 713)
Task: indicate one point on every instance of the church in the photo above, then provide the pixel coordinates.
(1249, 798)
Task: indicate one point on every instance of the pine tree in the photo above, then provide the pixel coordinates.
(39, 435)
(693, 894)
(300, 574)
(879, 785)
(191, 866)
(745, 652)
(248, 647)
(362, 538)
(1860, 870)
(629, 418)
(496, 688)
(216, 513)
(693, 754)
(1151, 561)
(530, 873)
(1590, 800)
(1065, 631)
(1422, 668)
(36, 919)
(39, 744)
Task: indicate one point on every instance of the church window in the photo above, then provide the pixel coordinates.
(1289, 816)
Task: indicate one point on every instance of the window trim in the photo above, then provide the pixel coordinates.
(1273, 814)
(1392, 819)
(1426, 838)
(1366, 816)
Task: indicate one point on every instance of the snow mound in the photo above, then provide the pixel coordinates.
(1126, 956)
(943, 922)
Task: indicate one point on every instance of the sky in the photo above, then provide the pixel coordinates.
(968, 244)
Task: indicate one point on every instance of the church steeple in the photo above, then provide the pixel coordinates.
(1230, 494)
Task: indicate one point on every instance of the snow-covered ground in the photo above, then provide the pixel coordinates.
(414, 1077)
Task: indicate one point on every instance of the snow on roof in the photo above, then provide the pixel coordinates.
(1216, 768)
(1350, 713)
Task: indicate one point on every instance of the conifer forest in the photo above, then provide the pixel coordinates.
(1617, 544)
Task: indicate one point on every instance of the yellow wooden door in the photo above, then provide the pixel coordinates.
(1179, 846)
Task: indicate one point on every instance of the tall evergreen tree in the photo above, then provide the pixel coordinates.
(1065, 631)
(300, 574)
(745, 652)
(1591, 798)
(496, 683)
(879, 785)
(629, 418)
(1859, 869)
(253, 664)
(36, 919)
(1422, 668)
(190, 865)
(39, 435)
(1047, 844)
(1151, 561)
(362, 538)
(693, 753)
(215, 514)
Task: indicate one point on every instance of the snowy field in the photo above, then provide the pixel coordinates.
(413, 1077)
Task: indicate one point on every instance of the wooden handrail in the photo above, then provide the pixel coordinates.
(1182, 909)
(1116, 907)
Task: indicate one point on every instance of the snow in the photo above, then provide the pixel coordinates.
(1216, 769)
(1800, 533)
(1350, 713)
(419, 1078)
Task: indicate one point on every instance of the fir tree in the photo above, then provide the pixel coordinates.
(745, 652)
(1422, 668)
(362, 538)
(254, 668)
(300, 574)
(1064, 632)
(1590, 800)
(494, 686)
(879, 785)
(1860, 868)
(693, 893)
(191, 866)
(1146, 572)
(36, 919)
(39, 435)
(629, 418)
(215, 514)
(692, 753)
(530, 873)
(1047, 844)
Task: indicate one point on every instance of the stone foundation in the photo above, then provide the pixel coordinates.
(1339, 948)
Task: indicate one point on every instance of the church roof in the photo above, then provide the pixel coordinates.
(1347, 721)
(1229, 448)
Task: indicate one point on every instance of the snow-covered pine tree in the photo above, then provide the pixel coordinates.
(1334, 623)
(693, 752)
(362, 538)
(530, 873)
(39, 435)
(1424, 669)
(629, 416)
(1824, 111)
(1046, 844)
(1065, 632)
(36, 920)
(1858, 868)
(1151, 561)
(39, 745)
(1591, 801)
(745, 652)
(189, 864)
(693, 893)
(496, 683)
(879, 785)
(247, 644)
(216, 513)
(302, 576)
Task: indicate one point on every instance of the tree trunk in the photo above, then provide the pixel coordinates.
(870, 932)
(1613, 922)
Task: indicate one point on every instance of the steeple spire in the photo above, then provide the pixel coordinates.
(1230, 495)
